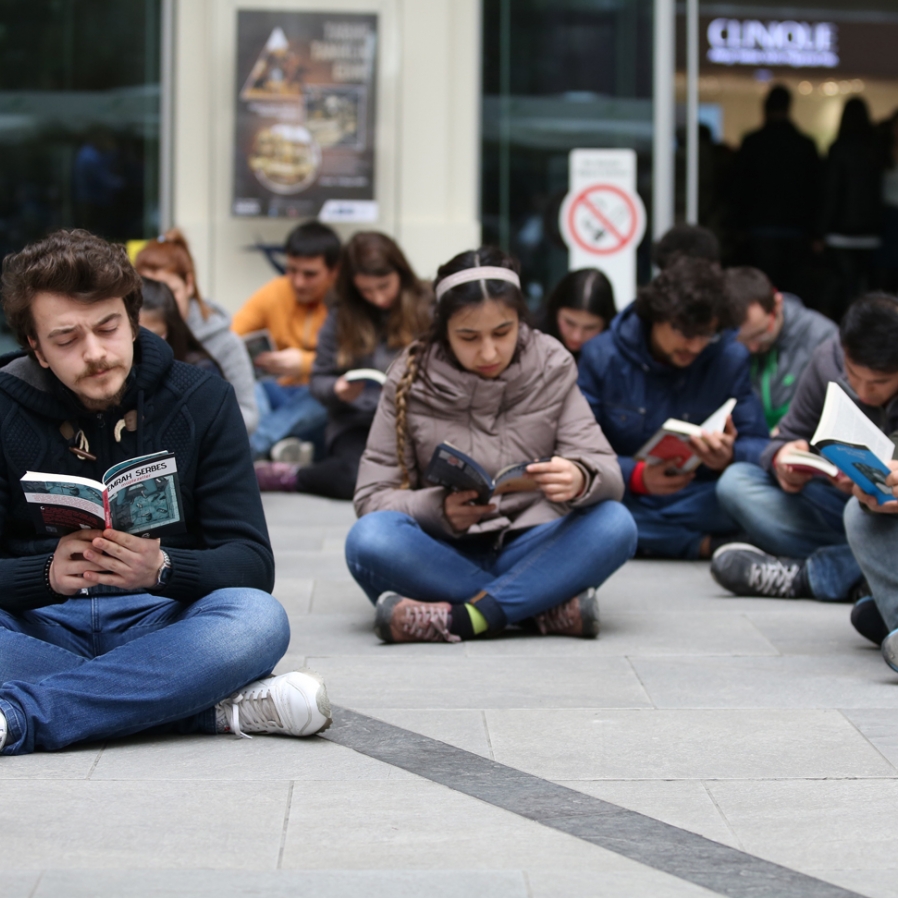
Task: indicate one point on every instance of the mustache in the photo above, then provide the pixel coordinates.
(96, 368)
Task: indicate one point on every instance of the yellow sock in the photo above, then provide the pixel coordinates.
(478, 621)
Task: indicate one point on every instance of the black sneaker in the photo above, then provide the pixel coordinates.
(747, 571)
(890, 650)
(866, 619)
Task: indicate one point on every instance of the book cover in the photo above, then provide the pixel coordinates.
(140, 496)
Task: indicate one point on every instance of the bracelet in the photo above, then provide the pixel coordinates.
(50, 589)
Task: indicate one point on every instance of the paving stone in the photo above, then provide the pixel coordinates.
(828, 631)
(228, 758)
(306, 511)
(859, 680)
(880, 726)
(682, 744)
(566, 883)
(90, 824)
(463, 729)
(815, 825)
(313, 565)
(18, 883)
(281, 884)
(295, 594)
(444, 678)
(340, 595)
(874, 883)
(73, 764)
(683, 803)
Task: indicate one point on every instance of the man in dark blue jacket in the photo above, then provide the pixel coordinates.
(668, 355)
(105, 633)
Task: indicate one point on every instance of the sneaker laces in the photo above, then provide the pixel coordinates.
(259, 711)
(773, 578)
(427, 623)
(561, 617)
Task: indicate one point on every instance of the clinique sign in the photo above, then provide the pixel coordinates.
(788, 43)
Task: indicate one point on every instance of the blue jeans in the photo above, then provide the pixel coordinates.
(286, 412)
(674, 526)
(108, 666)
(874, 540)
(534, 570)
(806, 525)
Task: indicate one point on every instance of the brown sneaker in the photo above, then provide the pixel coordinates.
(398, 619)
(578, 616)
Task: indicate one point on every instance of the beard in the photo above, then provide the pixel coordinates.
(100, 403)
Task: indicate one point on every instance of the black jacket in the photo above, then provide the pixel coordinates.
(852, 194)
(180, 409)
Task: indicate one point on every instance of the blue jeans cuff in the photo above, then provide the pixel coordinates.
(15, 727)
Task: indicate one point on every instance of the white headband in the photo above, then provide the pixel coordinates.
(486, 273)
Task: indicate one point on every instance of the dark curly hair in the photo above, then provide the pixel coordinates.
(690, 294)
(869, 332)
(75, 264)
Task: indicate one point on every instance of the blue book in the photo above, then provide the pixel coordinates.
(854, 444)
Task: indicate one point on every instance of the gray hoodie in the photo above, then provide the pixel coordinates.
(228, 350)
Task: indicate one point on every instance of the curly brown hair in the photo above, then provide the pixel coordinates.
(75, 264)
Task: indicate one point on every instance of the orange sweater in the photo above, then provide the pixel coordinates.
(291, 324)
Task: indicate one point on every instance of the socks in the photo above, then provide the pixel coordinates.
(801, 585)
(467, 621)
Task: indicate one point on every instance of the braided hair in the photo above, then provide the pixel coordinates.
(454, 300)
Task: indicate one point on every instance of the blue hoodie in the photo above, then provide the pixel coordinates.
(632, 394)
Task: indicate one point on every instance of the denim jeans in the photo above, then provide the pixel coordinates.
(874, 540)
(674, 526)
(806, 525)
(286, 412)
(533, 571)
(108, 666)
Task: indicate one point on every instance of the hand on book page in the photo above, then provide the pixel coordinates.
(889, 507)
(460, 513)
(559, 479)
(127, 561)
(790, 479)
(715, 449)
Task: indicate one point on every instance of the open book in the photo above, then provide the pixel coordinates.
(371, 374)
(451, 468)
(806, 462)
(854, 444)
(141, 496)
(258, 342)
(670, 444)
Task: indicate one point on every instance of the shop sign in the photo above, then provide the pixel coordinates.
(787, 43)
(305, 115)
(602, 218)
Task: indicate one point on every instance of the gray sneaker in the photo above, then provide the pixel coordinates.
(890, 650)
(747, 571)
(293, 450)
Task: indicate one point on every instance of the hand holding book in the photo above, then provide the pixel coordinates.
(889, 506)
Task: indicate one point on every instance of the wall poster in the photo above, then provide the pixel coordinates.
(304, 142)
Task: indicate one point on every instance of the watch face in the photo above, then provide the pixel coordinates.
(164, 574)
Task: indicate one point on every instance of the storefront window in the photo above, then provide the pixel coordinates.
(558, 75)
(79, 118)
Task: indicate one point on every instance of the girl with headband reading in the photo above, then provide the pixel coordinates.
(444, 565)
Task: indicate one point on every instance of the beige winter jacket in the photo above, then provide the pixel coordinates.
(533, 409)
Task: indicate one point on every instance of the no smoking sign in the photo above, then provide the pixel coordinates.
(602, 218)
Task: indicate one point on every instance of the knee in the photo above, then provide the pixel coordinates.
(614, 529)
(375, 537)
(734, 483)
(259, 622)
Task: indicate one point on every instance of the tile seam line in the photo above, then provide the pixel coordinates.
(661, 846)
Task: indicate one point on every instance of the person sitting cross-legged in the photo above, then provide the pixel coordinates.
(105, 633)
(668, 355)
(796, 544)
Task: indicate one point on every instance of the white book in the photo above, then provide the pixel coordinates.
(371, 374)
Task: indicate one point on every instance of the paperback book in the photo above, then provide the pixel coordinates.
(670, 444)
(854, 444)
(453, 469)
(140, 496)
(369, 374)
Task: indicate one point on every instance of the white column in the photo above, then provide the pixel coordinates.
(692, 111)
(664, 118)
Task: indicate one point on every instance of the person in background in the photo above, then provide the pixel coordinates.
(793, 521)
(292, 308)
(852, 213)
(685, 240)
(381, 306)
(887, 258)
(440, 566)
(168, 259)
(670, 355)
(159, 313)
(780, 333)
(776, 193)
(580, 307)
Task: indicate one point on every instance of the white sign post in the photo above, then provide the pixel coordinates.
(602, 218)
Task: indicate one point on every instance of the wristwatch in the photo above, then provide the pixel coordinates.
(163, 575)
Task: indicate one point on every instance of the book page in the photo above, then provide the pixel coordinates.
(844, 422)
(716, 422)
(371, 374)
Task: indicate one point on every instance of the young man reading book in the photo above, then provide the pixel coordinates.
(105, 633)
(779, 332)
(792, 517)
(292, 309)
(668, 356)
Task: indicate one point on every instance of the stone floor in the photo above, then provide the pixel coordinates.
(765, 725)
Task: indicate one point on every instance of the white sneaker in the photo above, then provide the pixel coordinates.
(293, 450)
(292, 704)
(3, 730)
